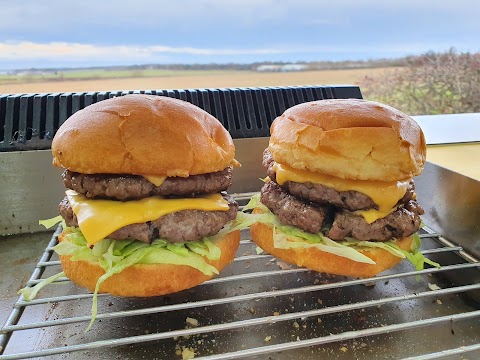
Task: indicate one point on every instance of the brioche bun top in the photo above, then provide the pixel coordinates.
(143, 134)
(349, 139)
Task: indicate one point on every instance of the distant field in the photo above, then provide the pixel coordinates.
(164, 79)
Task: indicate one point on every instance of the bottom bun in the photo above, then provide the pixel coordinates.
(321, 261)
(148, 279)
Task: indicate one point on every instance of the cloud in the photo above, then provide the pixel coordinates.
(63, 52)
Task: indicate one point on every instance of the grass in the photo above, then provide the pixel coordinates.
(95, 74)
(106, 80)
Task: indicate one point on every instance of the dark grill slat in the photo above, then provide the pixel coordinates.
(25, 118)
(90, 98)
(298, 95)
(102, 96)
(65, 107)
(289, 97)
(11, 119)
(318, 93)
(278, 100)
(77, 102)
(52, 115)
(38, 121)
(256, 104)
(29, 121)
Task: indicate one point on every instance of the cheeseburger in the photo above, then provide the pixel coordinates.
(340, 197)
(145, 211)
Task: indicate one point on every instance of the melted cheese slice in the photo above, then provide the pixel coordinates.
(372, 215)
(155, 179)
(99, 218)
(385, 194)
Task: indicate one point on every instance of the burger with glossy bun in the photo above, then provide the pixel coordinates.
(146, 212)
(340, 197)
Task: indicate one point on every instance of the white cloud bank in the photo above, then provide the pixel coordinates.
(27, 50)
(63, 51)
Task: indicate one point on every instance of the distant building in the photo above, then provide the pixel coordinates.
(30, 72)
(293, 67)
(269, 68)
(281, 68)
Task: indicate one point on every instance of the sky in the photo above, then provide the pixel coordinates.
(62, 33)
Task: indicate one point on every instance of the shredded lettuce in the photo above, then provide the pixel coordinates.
(116, 255)
(288, 237)
(29, 293)
(387, 246)
(415, 256)
(284, 239)
(49, 223)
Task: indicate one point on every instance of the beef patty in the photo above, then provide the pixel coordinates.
(128, 187)
(320, 194)
(401, 223)
(311, 217)
(180, 226)
(292, 211)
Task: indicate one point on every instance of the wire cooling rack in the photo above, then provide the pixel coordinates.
(262, 308)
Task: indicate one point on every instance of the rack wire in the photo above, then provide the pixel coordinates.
(260, 307)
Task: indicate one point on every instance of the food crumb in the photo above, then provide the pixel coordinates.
(187, 353)
(439, 302)
(434, 287)
(258, 250)
(252, 310)
(191, 321)
(283, 266)
(268, 338)
(320, 301)
(319, 320)
(296, 325)
(276, 313)
(344, 349)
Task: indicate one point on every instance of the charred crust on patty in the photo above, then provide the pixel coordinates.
(292, 211)
(402, 222)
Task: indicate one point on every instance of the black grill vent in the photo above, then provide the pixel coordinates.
(29, 121)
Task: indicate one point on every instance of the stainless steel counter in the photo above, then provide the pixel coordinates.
(258, 307)
(18, 256)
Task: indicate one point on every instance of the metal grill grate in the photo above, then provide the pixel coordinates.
(261, 308)
(29, 121)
